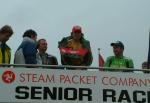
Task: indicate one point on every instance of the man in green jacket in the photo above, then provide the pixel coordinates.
(75, 50)
(118, 61)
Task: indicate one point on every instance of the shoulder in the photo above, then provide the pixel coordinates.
(64, 41)
(26, 41)
(129, 62)
(66, 38)
(8, 47)
(85, 40)
(50, 56)
(85, 43)
(127, 58)
(110, 57)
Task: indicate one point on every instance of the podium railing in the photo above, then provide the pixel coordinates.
(68, 66)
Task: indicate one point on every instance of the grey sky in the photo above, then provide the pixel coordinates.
(103, 22)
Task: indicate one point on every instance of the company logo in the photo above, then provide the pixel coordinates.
(8, 77)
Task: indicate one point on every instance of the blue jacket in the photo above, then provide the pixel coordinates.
(26, 52)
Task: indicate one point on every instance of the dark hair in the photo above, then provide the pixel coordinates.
(38, 42)
(29, 33)
(6, 29)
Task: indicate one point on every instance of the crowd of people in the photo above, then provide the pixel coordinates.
(75, 50)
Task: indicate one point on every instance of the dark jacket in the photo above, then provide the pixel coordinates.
(26, 52)
(67, 58)
(46, 59)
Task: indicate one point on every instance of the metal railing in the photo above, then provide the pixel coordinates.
(63, 67)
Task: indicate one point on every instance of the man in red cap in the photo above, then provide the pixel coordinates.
(75, 50)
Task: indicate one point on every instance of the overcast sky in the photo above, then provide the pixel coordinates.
(102, 21)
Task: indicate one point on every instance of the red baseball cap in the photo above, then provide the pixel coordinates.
(77, 29)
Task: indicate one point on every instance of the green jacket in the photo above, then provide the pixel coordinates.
(122, 62)
(66, 58)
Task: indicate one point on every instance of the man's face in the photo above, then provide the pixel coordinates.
(77, 36)
(117, 51)
(34, 38)
(42, 46)
(5, 37)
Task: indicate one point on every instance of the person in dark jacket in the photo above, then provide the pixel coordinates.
(42, 56)
(26, 52)
(75, 50)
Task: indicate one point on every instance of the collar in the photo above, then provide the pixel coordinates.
(120, 57)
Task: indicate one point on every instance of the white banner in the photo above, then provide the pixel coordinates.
(26, 85)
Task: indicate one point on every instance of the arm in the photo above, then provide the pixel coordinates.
(29, 52)
(88, 59)
(62, 44)
(108, 62)
(52, 60)
(131, 65)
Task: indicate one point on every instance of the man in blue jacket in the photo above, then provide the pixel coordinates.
(26, 52)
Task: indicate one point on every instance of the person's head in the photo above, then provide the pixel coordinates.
(76, 33)
(118, 48)
(31, 34)
(42, 45)
(145, 66)
(5, 33)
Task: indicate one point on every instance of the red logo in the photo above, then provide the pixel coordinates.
(8, 77)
